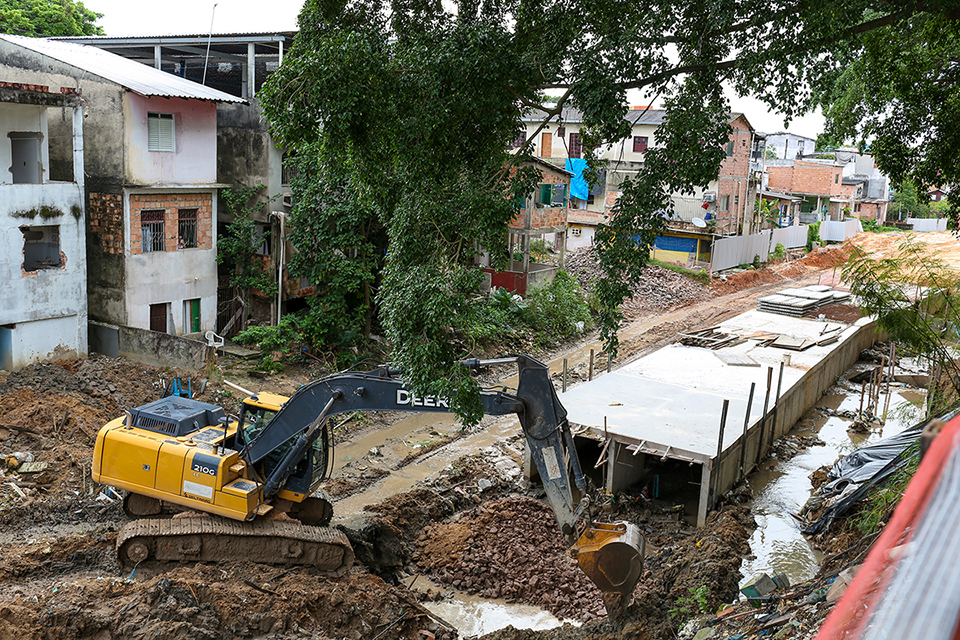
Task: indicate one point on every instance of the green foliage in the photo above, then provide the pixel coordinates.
(236, 249)
(875, 227)
(767, 211)
(340, 245)
(899, 97)
(409, 109)
(813, 234)
(539, 250)
(690, 607)
(702, 276)
(908, 202)
(877, 508)
(914, 297)
(557, 310)
(779, 253)
(48, 18)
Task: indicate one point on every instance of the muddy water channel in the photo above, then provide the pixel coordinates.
(780, 488)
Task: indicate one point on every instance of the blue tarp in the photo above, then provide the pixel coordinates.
(675, 243)
(578, 186)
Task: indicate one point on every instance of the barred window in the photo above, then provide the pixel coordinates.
(151, 230)
(187, 228)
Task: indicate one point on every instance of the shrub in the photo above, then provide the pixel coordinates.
(813, 235)
(557, 310)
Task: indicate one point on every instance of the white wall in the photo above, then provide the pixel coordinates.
(22, 118)
(194, 159)
(171, 277)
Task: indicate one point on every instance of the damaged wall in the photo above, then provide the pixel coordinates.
(43, 302)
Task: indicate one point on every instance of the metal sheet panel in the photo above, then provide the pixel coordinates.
(132, 75)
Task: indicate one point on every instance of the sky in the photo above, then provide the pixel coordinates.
(126, 18)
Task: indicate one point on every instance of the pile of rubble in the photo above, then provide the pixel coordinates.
(510, 549)
(658, 289)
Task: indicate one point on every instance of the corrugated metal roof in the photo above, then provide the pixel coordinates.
(132, 75)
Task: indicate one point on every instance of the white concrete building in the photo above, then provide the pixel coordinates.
(151, 182)
(43, 265)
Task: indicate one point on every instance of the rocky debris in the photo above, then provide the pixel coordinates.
(658, 289)
(790, 445)
(510, 549)
(240, 600)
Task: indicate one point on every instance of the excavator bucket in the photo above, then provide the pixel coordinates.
(611, 554)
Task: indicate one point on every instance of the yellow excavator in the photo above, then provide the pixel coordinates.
(255, 479)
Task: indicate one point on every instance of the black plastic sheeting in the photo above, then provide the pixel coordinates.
(867, 467)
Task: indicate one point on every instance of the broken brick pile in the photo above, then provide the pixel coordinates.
(510, 549)
(658, 289)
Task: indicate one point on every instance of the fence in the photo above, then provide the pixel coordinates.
(731, 251)
(928, 224)
(148, 347)
(831, 231)
(790, 237)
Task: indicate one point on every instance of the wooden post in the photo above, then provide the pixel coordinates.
(563, 384)
(746, 424)
(590, 371)
(717, 467)
(773, 430)
(609, 360)
(763, 420)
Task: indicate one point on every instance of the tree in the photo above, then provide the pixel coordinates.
(339, 245)
(899, 98)
(908, 202)
(418, 103)
(237, 248)
(913, 295)
(48, 18)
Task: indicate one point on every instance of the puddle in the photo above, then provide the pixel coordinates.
(477, 616)
(782, 488)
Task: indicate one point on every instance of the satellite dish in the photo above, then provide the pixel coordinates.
(699, 222)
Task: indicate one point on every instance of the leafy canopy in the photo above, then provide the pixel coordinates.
(48, 18)
(416, 101)
(899, 96)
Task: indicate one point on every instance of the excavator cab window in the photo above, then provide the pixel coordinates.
(252, 421)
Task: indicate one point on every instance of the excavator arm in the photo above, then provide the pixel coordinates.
(610, 554)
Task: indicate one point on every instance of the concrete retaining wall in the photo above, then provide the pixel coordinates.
(148, 347)
(794, 402)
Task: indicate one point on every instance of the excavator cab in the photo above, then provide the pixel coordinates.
(306, 473)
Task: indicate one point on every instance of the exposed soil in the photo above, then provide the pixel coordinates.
(476, 523)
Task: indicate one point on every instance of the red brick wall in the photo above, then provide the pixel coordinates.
(105, 213)
(171, 203)
(547, 216)
(807, 177)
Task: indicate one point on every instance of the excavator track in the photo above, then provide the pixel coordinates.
(213, 539)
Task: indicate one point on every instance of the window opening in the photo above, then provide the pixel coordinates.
(41, 248)
(160, 131)
(187, 229)
(576, 146)
(151, 230)
(25, 157)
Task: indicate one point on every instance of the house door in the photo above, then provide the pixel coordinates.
(546, 145)
(25, 156)
(158, 317)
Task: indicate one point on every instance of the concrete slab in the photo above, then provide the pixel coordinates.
(668, 404)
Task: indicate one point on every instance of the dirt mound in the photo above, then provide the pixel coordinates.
(240, 600)
(510, 549)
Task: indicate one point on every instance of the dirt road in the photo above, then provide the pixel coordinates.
(60, 579)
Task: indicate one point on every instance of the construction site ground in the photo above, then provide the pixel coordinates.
(466, 521)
